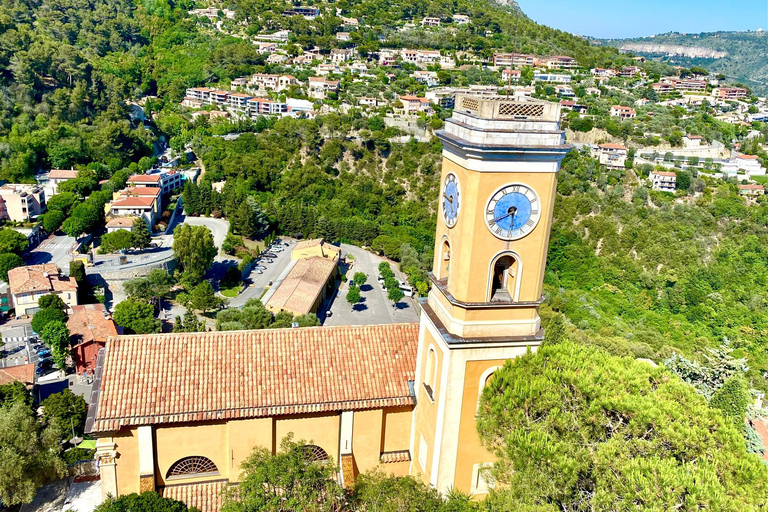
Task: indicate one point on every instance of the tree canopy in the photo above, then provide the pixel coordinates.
(194, 249)
(578, 429)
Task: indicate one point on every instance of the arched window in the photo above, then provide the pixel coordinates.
(485, 378)
(314, 453)
(504, 279)
(430, 373)
(444, 267)
(189, 467)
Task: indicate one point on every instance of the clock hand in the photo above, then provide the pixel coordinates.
(503, 217)
(450, 199)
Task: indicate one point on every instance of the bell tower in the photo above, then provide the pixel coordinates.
(497, 190)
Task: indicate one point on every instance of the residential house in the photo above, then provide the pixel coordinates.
(412, 105)
(308, 12)
(24, 373)
(320, 86)
(751, 190)
(460, 19)
(630, 72)
(349, 22)
(90, 326)
(28, 284)
(153, 192)
(5, 298)
(429, 78)
(663, 180)
(623, 112)
(343, 36)
(551, 77)
(517, 60)
(602, 72)
(510, 75)
(561, 62)
(116, 223)
(21, 203)
(136, 206)
(57, 177)
(277, 58)
(325, 69)
(340, 55)
(564, 91)
(212, 13)
(267, 47)
(612, 155)
(663, 87)
(367, 102)
(430, 22)
(594, 91)
(692, 141)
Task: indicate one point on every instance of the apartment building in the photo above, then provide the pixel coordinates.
(413, 105)
(21, 203)
(517, 60)
(166, 181)
(551, 78)
(238, 101)
(260, 106)
(663, 87)
(663, 180)
(729, 93)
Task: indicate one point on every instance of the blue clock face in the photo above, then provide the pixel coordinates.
(512, 212)
(451, 199)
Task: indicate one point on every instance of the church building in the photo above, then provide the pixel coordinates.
(179, 413)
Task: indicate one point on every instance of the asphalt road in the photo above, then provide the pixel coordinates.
(54, 249)
(17, 349)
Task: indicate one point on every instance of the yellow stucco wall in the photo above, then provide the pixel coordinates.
(471, 451)
(244, 436)
(397, 429)
(426, 412)
(367, 438)
(320, 430)
(127, 461)
(174, 443)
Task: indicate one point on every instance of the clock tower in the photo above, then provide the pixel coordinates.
(501, 156)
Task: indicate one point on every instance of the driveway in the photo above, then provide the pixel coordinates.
(257, 283)
(375, 307)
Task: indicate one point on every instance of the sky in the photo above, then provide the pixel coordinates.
(636, 18)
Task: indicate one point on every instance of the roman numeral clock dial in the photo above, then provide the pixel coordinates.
(512, 212)
(451, 199)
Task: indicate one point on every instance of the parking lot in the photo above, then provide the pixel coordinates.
(259, 279)
(20, 346)
(375, 307)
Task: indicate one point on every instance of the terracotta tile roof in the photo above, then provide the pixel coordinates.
(145, 178)
(39, 278)
(186, 377)
(612, 146)
(751, 187)
(141, 192)
(62, 174)
(398, 456)
(664, 173)
(205, 496)
(304, 244)
(134, 202)
(303, 284)
(747, 157)
(90, 322)
(24, 373)
(121, 222)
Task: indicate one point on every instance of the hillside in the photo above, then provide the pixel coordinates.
(738, 55)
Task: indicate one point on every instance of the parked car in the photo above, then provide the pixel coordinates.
(270, 261)
(44, 352)
(258, 271)
(269, 255)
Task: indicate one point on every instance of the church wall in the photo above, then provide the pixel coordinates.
(127, 462)
(174, 443)
(366, 438)
(470, 449)
(397, 429)
(320, 430)
(243, 437)
(427, 410)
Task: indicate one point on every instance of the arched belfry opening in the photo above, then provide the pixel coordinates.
(445, 261)
(504, 278)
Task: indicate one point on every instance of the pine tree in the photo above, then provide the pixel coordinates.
(140, 237)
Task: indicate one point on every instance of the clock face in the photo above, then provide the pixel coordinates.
(512, 212)
(450, 199)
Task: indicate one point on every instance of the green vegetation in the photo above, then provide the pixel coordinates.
(577, 429)
(8, 262)
(194, 250)
(145, 502)
(56, 335)
(69, 410)
(253, 315)
(353, 295)
(136, 316)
